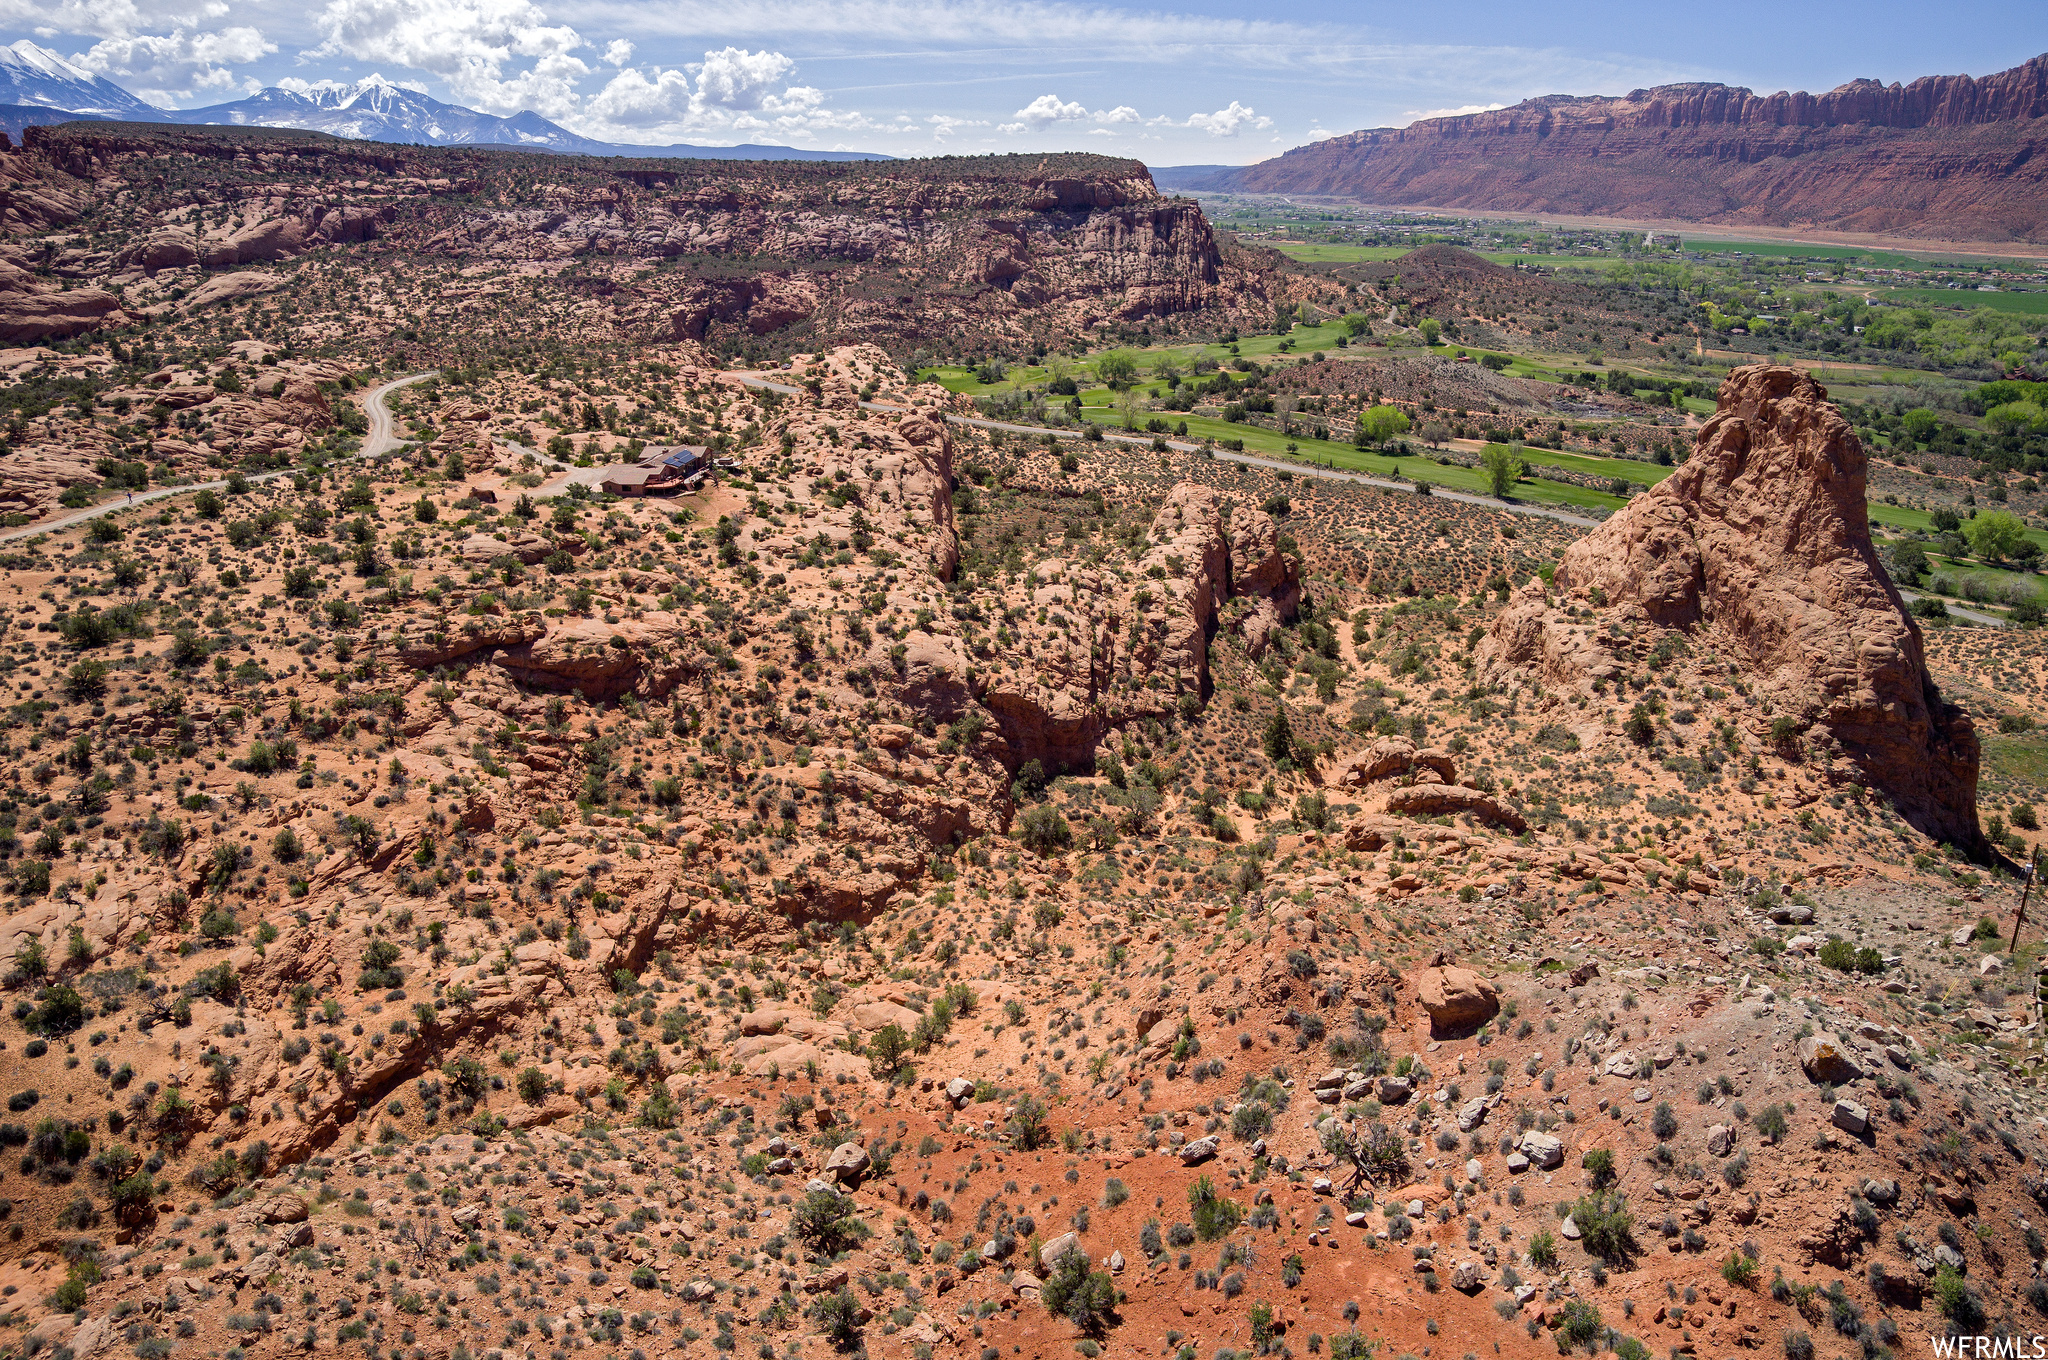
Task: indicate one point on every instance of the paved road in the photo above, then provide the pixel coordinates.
(1958, 610)
(1250, 460)
(381, 440)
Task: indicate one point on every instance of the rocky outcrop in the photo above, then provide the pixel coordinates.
(1112, 651)
(1264, 575)
(31, 309)
(1761, 541)
(1457, 999)
(1454, 800)
(601, 660)
(1392, 758)
(1947, 157)
(1073, 240)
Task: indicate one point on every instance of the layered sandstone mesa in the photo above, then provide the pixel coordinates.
(1946, 157)
(1760, 543)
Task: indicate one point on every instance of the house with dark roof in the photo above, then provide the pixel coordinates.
(661, 471)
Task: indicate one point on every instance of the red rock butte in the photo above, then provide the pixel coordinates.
(1761, 544)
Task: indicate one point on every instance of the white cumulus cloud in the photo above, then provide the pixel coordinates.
(468, 44)
(1228, 122)
(632, 99)
(738, 79)
(1417, 115)
(95, 18)
(618, 52)
(733, 92)
(1049, 109)
(166, 66)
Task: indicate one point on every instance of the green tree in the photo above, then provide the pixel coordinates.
(1606, 1227)
(1278, 739)
(1995, 535)
(1920, 423)
(1214, 1215)
(1431, 328)
(1043, 830)
(88, 680)
(1503, 466)
(839, 1316)
(1117, 369)
(888, 1050)
(1582, 1325)
(1378, 425)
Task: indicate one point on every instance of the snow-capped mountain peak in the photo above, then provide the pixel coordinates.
(37, 76)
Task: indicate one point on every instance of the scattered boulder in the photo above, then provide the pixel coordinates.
(1456, 998)
(1542, 1149)
(826, 1281)
(31, 309)
(1720, 1140)
(1049, 1255)
(280, 1208)
(848, 1162)
(1454, 800)
(1200, 1150)
(1825, 1058)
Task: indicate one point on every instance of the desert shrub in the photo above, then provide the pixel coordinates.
(827, 1223)
(1214, 1216)
(1606, 1227)
(1083, 1295)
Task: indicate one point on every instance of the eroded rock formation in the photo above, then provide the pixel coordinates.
(1760, 544)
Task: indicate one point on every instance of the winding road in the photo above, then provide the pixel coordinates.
(1248, 459)
(380, 440)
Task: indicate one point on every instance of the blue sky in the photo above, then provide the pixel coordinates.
(1206, 81)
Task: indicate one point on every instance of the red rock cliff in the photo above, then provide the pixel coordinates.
(1945, 157)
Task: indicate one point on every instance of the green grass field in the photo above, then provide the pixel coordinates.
(1319, 253)
(1322, 253)
(1628, 469)
(2020, 304)
(1882, 259)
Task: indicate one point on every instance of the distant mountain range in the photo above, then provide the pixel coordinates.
(36, 83)
(1957, 158)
